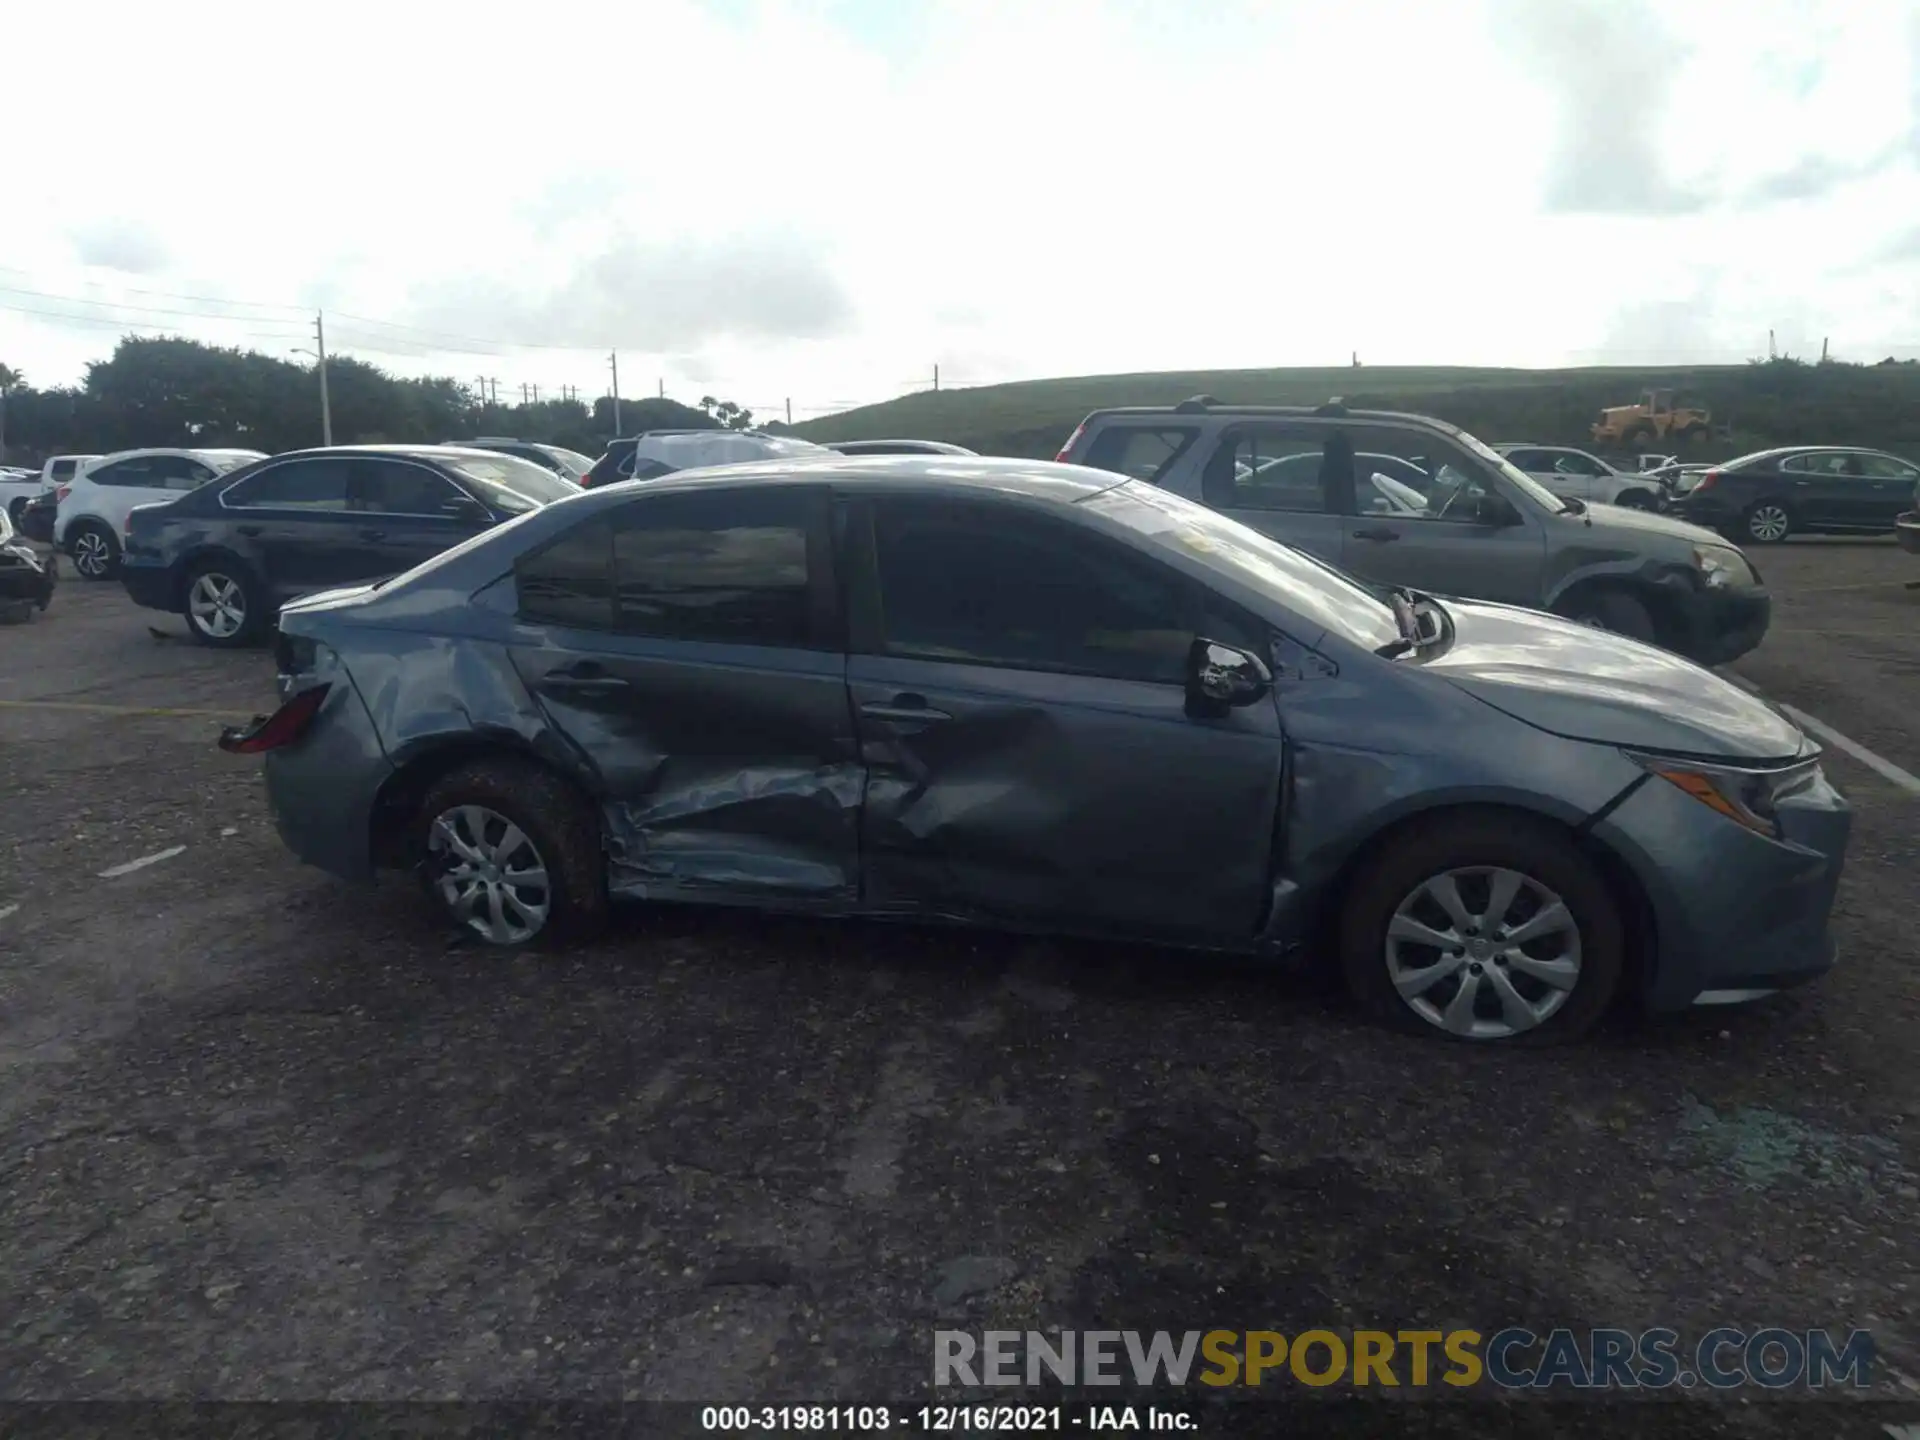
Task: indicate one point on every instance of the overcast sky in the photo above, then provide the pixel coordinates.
(823, 199)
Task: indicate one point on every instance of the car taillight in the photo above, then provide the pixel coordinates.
(283, 727)
(1707, 480)
(62, 493)
(1072, 440)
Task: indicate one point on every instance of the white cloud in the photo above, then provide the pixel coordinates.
(822, 199)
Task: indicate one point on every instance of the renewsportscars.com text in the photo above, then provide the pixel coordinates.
(1512, 1359)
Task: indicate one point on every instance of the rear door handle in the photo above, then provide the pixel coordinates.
(372, 534)
(1380, 536)
(247, 530)
(909, 708)
(586, 677)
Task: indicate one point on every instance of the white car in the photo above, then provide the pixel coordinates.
(92, 512)
(1578, 475)
(17, 487)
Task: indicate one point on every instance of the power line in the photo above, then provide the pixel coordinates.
(170, 295)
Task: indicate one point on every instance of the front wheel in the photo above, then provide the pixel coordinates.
(511, 854)
(1487, 927)
(224, 608)
(1614, 611)
(95, 552)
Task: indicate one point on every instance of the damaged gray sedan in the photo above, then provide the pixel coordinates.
(1036, 697)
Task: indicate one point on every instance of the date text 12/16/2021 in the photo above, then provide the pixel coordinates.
(944, 1419)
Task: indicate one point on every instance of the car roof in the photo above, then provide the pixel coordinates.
(191, 450)
(935, 474)
(1331, 410)
(1805, 450)
(420, 451)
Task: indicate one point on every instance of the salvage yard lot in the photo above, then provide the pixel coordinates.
(263, 1136)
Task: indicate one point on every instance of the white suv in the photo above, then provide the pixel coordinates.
(1579, 476)
(93, 506)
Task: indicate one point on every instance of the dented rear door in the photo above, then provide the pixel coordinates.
(703, 683)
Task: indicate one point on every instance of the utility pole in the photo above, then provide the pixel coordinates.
(536, 394)
(936, 379)
(1770, 350)
(789, 409)
(523, 392)
(661, 389)
(613, 359)
(320, 355)
(1823, 352)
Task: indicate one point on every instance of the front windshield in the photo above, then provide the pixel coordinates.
(572, 461)
(1303, 584)
(1515, 476)
(513, 484)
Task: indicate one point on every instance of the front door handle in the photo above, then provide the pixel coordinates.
(372, 534)
(909, 708)
(248, 530)
(1379, 536)
(585, 676)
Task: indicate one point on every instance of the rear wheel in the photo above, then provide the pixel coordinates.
(1640, 436)
(1768, 523)
(1634, 500)
(223, 605)
(510, 854)
(95, 551)
(1486, 927)
(1614, 611)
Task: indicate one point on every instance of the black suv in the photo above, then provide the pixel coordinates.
(1410, 501)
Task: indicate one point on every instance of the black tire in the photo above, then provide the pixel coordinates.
(1615, 611)
(557, 822)
(238, 589)
(1766, 522)
(94, 550)
(1693, 434)
(1635, 500)
(1550, 862)
(1638, 437)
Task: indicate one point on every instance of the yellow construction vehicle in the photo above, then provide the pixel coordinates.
(1656, 417)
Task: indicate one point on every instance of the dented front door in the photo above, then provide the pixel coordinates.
(1016, 682)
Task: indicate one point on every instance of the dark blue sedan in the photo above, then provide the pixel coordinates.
(228, 555)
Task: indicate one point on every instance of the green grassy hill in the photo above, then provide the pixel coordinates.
(1783, 402)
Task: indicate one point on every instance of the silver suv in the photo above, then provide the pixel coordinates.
(1409, 501)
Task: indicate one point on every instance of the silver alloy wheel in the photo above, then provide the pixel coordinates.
(489, 874)
(217, 606)
(1483, 952)
(91, 557)
(1767, 522)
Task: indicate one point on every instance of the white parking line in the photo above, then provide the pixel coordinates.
(1880, 766)
(145, 860)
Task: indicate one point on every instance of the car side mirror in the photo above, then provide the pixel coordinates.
(468, 509)
(1221, 678)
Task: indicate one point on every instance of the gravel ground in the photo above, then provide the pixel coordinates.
(267, 1137)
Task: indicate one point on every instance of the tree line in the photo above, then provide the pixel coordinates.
(170, 391)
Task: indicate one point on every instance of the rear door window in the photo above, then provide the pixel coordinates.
(728, 566)
(394, 487)
(318, 484)
(569, 581)
(1269, 469)
(1140, 452)
(1886, 467)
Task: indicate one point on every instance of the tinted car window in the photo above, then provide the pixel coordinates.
(511, 483)
(569, 581)
(728, 566)
(1269, 471)
(1320, 595)
(63, 469)
(1818, 465)
(1139, 451)
(975, 584)
(318, 484)
(393, 487)
(177, 472)
(135, 472)
(1885, 467)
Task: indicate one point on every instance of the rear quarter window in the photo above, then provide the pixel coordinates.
(1140, 452)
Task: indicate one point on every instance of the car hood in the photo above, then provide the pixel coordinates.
(1586, 684)
(1622, 519)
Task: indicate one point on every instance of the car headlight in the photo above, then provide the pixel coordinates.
(1720, 568)
(1747, 797)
